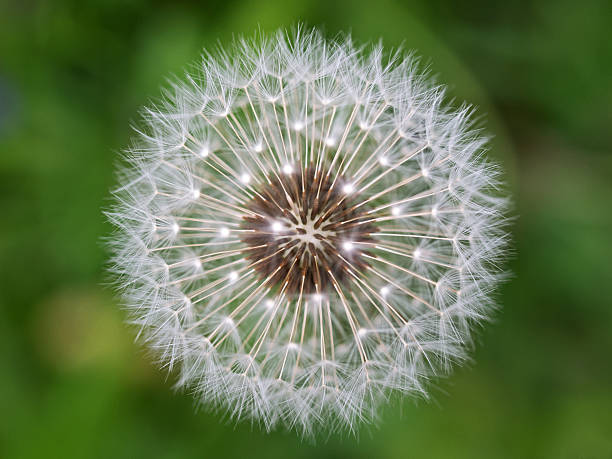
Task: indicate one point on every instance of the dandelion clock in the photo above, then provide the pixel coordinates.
(304, 230)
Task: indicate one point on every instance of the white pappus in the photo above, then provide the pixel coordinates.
(304, 228)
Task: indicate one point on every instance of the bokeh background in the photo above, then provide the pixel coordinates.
(73, 73)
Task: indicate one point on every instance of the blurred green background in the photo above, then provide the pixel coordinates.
(73, 74)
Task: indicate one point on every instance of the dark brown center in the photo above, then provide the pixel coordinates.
(307, 231)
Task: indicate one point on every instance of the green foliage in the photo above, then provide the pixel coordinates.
(73, 75)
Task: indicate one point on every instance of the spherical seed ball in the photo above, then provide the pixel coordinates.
(304, 228)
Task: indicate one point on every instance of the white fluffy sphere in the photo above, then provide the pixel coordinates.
(304, 228)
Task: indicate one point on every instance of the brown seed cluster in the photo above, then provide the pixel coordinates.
(306, 231)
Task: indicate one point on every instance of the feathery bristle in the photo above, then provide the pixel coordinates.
(304, 228)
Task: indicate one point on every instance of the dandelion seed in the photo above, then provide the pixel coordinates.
(347, 246)
(286, 322)
(196, 263)
(348, 188)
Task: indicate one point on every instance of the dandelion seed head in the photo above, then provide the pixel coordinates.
(367, 230)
